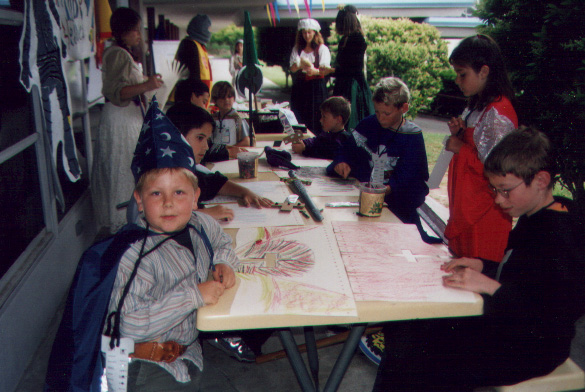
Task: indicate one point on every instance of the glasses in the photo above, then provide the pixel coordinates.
(504, 192)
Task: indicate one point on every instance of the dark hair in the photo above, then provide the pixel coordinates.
(300, 42)
(221, 90)
(523, 153)
(123, 20)
(347, 22)
(337, 106)
(185, 88)
(475, 52)
(186, 116)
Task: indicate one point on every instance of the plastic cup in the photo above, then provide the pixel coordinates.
(371, 199)
(248, 164)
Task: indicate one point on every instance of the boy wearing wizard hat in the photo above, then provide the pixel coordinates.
(179, 248)
(149, 279)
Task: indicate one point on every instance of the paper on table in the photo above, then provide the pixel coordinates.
(276, 191)
(258, 217)
(389, 262)
(283, 272)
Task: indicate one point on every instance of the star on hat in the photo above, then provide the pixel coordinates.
(160, 145)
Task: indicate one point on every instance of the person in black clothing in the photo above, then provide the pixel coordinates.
(531, 299)
(335, 112)
(350, 80)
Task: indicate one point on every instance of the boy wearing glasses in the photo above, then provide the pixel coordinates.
(531, 299)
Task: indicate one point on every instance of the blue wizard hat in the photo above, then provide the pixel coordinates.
(160, 145)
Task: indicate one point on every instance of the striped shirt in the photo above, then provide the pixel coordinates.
(163, 298)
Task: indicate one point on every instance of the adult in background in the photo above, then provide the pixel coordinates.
(124, 86)
(192, 51)
(237, 62)
(310, 62)
(350, 80)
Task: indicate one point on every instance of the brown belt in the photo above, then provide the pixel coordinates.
(158, 352)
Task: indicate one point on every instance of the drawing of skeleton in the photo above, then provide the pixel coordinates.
(379, 161)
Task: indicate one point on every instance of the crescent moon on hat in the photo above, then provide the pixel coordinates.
(191, 161)
(167, 135)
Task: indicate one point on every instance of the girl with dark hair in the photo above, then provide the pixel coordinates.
(310, 62)
(124, 86)
(350, 80)
(477, 227)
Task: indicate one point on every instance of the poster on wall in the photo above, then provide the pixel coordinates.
(56, 31)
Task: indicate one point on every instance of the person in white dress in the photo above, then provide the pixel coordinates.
(124, 86)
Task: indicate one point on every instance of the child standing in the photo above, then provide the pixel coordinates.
(231, 129)
(477, 227)
(335, 112)
(394, 144)
(531, 300)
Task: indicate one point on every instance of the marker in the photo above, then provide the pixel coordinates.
(220, 278)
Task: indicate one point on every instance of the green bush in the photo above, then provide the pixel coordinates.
(414, 52)
(227, 36)
(543, 43)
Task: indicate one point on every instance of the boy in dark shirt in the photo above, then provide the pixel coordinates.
(335, 112)
(531, 299)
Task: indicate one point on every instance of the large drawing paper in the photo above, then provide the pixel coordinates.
(389, 262)
(291, 270)
(258, 217)
(276, 191)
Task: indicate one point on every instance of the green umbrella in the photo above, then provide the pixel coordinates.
(250, 76)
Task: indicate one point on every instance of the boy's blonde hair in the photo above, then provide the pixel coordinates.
(337, 106)
(221, 90)
(391, 91)
(522, 153)
(152, 174)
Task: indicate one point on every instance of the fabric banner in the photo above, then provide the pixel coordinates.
(54, 32)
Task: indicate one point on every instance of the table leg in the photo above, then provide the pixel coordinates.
(344, 358)
(296, 362)
(312, 354)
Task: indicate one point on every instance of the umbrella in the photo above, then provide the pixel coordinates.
(251, 76)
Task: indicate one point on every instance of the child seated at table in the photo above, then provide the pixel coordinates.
(152, 278)
(197, 93)
(531, 299)
(392, 146)
(230, 128)
(193, 91)
(335, 112)
(197, 125)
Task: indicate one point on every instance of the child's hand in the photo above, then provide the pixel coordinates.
(454, 144)
(250, 198)
(463, 262)
(234, 151)
(471, 280)
(224, 275)
(219, 212)
(342, 169)
(455, 125)
(298, 148)
(211, 291)
(154, 82)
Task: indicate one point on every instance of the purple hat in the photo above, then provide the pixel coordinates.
(160, 145)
